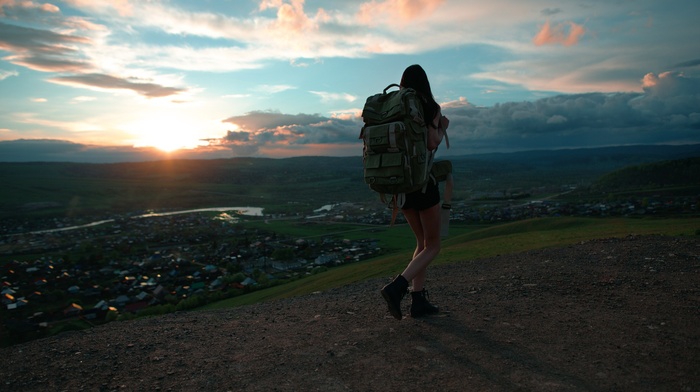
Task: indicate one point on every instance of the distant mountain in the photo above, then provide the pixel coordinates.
(613, 157)
(294, 184)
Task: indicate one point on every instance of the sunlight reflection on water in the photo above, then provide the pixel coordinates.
(247, 211)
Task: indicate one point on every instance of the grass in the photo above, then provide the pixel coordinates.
(398, 237)
(468, 244)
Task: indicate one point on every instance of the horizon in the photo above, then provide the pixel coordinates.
(102, 155)
(94, 81)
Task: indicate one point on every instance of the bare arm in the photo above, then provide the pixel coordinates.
(435, 135)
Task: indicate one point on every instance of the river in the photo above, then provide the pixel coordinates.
(247, 211)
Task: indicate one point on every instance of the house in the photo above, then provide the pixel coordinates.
(103, 305)
(7, 299)
(8, 290)
(160, 292)
(122, 300)
(36, 295)
(72, 310)
(142, 296)
(197, 287)
(216, 284)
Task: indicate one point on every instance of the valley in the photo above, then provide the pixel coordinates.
(89, 244)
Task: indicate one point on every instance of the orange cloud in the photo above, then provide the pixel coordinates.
(27, 5)
(123, 7)
(552, 35)
(405, 10)
(291, 16)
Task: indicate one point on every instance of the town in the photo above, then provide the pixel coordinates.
(125, 266)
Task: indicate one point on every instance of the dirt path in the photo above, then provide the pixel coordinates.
(605, 315)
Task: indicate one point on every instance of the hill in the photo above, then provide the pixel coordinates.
(655, 176)
(45, 189)
(608, 314)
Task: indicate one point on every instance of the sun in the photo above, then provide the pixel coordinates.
(166, 134)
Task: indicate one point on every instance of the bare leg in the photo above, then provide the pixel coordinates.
(426, 227)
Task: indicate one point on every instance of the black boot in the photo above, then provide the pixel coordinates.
(420, 305)
(393, 294)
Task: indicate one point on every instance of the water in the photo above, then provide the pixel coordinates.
(327, 207)
(247, 211)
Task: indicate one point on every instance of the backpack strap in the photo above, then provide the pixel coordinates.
(447, 139)
(415, 113)
(395, 203)
(429, 168)
(394, 211)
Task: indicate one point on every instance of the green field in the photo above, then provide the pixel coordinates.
(470, 243)
(43, 189)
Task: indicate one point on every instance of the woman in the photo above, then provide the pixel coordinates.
(421, 209)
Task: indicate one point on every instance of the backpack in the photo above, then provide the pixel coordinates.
(395, 155)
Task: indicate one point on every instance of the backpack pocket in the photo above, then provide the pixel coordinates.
(384, 137)
(382, 171)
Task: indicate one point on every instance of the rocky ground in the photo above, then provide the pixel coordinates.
(604, 315)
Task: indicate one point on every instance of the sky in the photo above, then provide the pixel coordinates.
(127, 80)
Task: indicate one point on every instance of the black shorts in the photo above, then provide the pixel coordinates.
(420, 200)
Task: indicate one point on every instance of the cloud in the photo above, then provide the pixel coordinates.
(295, 31)
(550, 35)
(51, 150)
(123, 7)
(64, 151)
(43, 50)
(38, 120)
(290, 16)
(273, 89)
(48, 51)
(108, 82)
(271, 130)
(557, 119)
(82, 98)
(326, 96)
(235, 96)
(667, 112)
(6, 74)
(402, 11)
(669, 93)
(550, 11)
(16, 8)
(688, 64)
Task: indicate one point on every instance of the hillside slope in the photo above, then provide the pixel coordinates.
(611, 314)
(653, 176)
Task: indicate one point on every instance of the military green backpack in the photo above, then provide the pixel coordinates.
(396, 159)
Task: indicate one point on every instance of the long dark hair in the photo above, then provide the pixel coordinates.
(415, 77)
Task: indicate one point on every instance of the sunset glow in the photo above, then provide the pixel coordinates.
(165, 134)
(289, 77)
